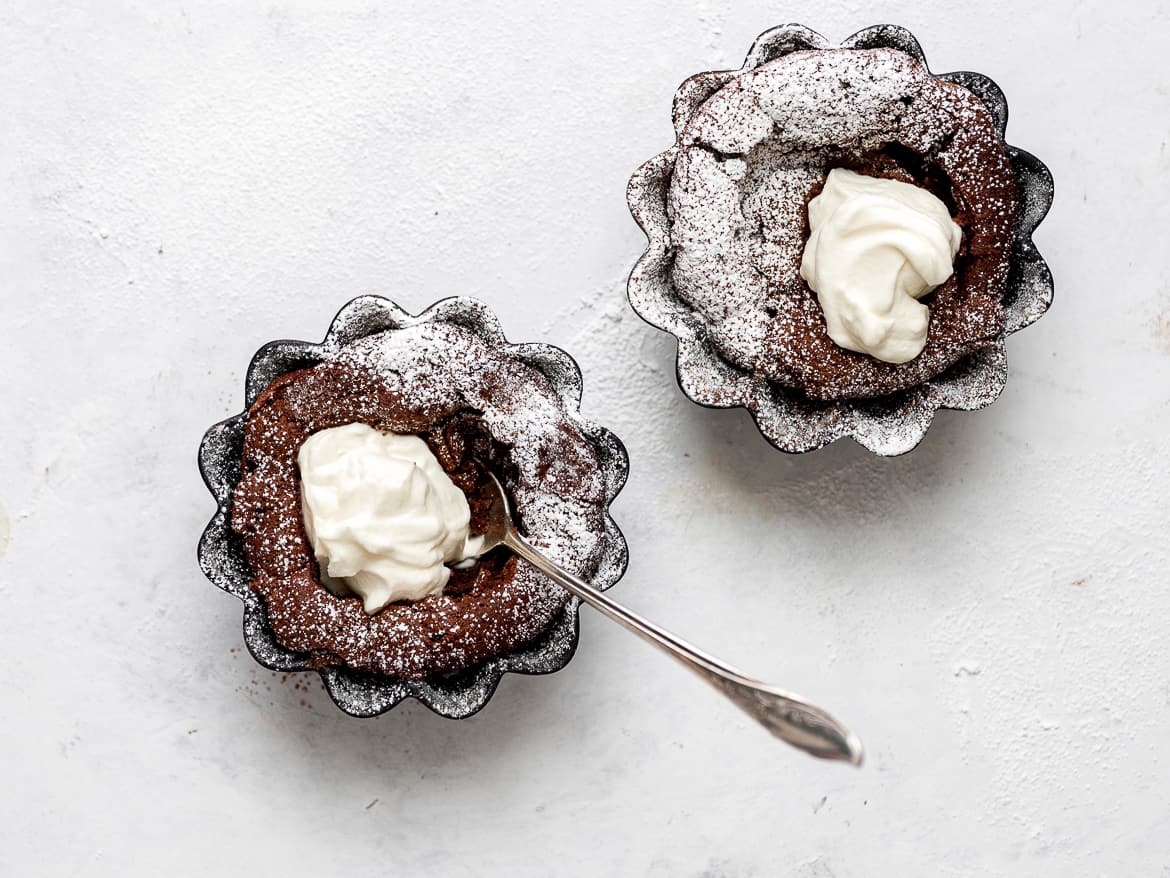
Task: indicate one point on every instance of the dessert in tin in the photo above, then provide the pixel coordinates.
(350, 505)
(835, 229)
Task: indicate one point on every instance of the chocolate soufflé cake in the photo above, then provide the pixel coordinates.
(473, 406)
(759, 149)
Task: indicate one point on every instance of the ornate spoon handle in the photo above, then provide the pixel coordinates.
(785, 715)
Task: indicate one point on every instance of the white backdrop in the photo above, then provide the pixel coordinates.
(180, 183)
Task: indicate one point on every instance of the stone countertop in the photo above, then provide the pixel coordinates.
(180, 183)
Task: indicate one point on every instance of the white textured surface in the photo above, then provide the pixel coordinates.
(179, 184)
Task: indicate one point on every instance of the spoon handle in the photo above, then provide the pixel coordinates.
(785, 715)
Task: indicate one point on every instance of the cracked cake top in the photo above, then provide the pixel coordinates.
(759, 149)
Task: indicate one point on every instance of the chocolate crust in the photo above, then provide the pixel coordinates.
(738, 202)
(470, 403)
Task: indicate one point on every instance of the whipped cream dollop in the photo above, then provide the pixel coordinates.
(383, 517)
(876, 247)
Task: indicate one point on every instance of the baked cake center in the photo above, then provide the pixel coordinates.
(383, 517)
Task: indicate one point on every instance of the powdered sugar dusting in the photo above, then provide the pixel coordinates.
(757, 150)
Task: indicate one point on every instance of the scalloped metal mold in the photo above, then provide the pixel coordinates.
(221, 552)
(888, 425)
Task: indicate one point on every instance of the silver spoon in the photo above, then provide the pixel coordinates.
(785, 715)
